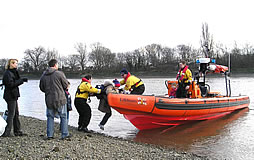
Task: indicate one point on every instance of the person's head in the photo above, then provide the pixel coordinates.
(116, 83)
(11, 64)
(53, 63)
(124, 72)
(182, 64)
(173, 85)
(88, 77)
(107, 82)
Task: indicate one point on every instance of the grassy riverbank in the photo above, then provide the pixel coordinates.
(80, 146)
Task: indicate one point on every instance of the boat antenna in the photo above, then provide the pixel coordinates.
(227, 78)
(229, 62)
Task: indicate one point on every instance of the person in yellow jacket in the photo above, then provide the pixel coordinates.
(82, 95)
(184, 77)
(132, 83)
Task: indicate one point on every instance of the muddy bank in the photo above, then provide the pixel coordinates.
(80, 146)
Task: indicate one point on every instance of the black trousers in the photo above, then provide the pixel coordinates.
(181, 92)
(13, 118)
(105, 118)
(138, 90)
(84, 111)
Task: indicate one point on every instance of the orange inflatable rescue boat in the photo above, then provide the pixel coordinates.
(149, 111)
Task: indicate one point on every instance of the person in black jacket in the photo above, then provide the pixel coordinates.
(12, 81)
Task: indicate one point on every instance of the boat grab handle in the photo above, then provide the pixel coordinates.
(166, 83)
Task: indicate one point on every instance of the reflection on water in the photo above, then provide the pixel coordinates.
(203, 138)
(229, 137)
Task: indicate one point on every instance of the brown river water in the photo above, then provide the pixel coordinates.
(228, 137)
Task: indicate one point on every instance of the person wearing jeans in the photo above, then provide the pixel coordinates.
(53, 83)
(62, 112)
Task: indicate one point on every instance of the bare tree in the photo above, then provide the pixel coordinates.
(72, 62)
(129, 60)
(185, 52)
(3, 63)
(82, 56)
(108, 58)
(51, 54)
(248, 49)
(153, 53)
(248, 53)
(167, 55)
(206, 42)
(120, 59)
(138, 59)
(36, 57)
(26, 67)
(101, 57)
(95, 56)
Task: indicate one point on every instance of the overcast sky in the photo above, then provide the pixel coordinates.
(120, 25)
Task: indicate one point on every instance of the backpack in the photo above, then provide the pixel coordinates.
(103, 91)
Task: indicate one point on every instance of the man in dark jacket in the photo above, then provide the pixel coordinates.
(53, 83)
(12, 81)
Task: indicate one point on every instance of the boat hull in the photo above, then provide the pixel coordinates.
(148, 112)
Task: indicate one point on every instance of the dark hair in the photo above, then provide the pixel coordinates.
(52, 62)
(124, 71)
(88, 76)
(183, 61)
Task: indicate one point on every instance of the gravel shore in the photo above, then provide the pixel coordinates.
(79, 146)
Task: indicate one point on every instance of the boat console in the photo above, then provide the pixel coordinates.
(199, 88)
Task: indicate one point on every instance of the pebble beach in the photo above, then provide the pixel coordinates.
(80, 146)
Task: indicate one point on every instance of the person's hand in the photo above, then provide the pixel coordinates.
(24, 79)
(92, 94)
(187, 87)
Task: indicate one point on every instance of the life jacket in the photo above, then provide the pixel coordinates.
(183, 73)
(78, 90)
(128, 75)
(103, 91)
(136, 84)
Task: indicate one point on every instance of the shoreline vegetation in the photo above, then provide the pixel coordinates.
(79, 146)
(149, 60)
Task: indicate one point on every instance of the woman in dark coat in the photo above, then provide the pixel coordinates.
(12, 81)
